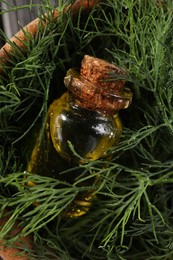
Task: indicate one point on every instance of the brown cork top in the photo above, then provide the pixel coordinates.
(99, 85)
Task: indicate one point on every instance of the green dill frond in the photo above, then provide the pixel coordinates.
(131, 214)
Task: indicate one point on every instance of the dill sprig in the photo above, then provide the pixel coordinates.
(131, 217)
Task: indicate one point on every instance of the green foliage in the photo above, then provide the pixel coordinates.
(131, 217)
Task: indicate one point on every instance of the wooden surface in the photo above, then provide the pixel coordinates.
(13, 21)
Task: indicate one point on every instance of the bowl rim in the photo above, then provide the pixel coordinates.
(31, 28)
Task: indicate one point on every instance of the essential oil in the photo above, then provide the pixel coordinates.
(84, 118)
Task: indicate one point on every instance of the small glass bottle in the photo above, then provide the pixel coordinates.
(86, 116)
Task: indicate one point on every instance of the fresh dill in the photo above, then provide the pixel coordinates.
(131, 217)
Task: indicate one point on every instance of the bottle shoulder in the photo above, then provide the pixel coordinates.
(65, 107)
(59, 104)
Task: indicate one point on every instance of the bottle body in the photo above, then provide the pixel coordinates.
(82, 125)
(91, 133)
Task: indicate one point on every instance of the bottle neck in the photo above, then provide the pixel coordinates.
(76, 102)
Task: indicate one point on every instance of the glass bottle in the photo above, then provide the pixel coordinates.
(86, 116)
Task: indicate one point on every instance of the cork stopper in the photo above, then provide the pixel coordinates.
(99, 85)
